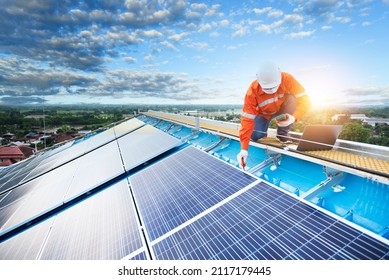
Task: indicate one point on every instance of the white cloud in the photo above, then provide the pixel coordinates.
(161, 15)
(178, 37)
(326, 27)
(198, 45)
(262, 11)
(224, 22)
(148, 57)
(275, 13)
(240, 30)
(193, 15)
(333, 18)
(213, 10)
(366, 23)
(134, 4)
(129, 59)
(168, 45)
(270, 28)
(299, 35)
(150, 33)
(205, 27)
(200, 6)
(128, 18)
(365, 11)
(293, 18)
(367, 95)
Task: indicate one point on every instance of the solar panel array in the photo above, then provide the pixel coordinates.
(134, 192)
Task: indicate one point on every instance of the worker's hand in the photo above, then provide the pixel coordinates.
(285, 120)
(242, 157)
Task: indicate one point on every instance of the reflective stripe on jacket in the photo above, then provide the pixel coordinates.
(258, 103)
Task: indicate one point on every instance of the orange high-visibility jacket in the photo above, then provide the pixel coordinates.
(258, 103)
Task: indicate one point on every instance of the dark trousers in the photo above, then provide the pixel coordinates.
(262, 124)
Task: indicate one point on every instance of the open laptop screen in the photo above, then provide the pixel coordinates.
(319, 137)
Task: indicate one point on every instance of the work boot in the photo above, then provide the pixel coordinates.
(284, 139)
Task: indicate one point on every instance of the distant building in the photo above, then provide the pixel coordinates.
(375, 121)
(12, 154)
(337, 116)
(84, 132)
(8, 136)
(35, 117)
(361, 117)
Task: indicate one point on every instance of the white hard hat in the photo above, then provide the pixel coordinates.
(269, 77)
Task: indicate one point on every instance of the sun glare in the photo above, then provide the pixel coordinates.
(324, 85)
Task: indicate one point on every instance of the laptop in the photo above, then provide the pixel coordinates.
(318, 137)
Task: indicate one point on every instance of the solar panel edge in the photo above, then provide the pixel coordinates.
(123, 230)
(72, 159)
(146, 247)
(331, 214)
(79, 197)
(306, 250)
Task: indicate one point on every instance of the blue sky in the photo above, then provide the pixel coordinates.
(190, 52)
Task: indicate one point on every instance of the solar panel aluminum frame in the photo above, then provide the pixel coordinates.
(341, 254)
(150, 237)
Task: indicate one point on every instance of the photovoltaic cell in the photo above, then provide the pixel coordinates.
(140, 256)
(95, 168)
(127, 126)
(182, 186)
(36, 197)
(14, 174)
(188, 203)
(265, 223)
(103, 227)
(143, 144)
(26, 245)
(60, 185)
(51, 159)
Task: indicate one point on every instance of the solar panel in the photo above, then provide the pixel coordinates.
(127, 126)
(188, 205)
(26, 245)
(103, 226)
(96, 168)
(181, 186)
(51, 159)
(36, 196)
(265, 223)
(60, 185)
(144, 144)
(14, 174)
(140, 256)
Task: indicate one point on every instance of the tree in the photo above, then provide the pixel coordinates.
(355, 131)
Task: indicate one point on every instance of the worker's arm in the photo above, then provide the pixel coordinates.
(303, 101)
(247, 118)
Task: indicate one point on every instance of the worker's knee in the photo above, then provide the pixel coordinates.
(257, 135)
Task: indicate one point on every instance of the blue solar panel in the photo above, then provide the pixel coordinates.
(51, 159)
(60, 185)
(140, 256)
(144, 144)
(35, 197)
(265, 223)
(27, 245)
(181, 186)
(186, 204)
(104, 226)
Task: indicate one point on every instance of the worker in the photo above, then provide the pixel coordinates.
(273, 95)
